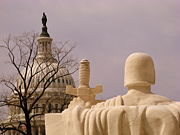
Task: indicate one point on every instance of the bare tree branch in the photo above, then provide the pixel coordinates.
(34, 77)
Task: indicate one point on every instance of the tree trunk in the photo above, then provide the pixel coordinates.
(28, 125)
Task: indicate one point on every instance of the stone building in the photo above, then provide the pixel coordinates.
(54, 100)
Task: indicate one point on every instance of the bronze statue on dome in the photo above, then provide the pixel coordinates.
(44, 19)
(44, 28)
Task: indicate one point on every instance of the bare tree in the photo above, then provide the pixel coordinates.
(34, 75)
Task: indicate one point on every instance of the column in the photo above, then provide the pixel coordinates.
(33, 131)
(39, 130)
(11, 132)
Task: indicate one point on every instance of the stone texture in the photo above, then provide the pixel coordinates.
(139, 112)
(84, 92)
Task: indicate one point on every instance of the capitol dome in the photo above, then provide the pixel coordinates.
(47, 69)
(52, 73)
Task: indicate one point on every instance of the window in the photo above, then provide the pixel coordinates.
(56, 108)
(66, 82)
(49, 107)
(53, 80)
(63, 80)
(59, 80)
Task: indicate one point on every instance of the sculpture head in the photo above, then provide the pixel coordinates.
(139, 71)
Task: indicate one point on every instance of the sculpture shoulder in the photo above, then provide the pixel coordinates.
(115, 101)
(144, 99)
(157, 99)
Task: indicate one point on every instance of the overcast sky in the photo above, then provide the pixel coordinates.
(106, 32)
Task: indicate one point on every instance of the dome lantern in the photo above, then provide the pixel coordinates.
(44, 52)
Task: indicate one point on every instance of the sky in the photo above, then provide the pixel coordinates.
(105, 32)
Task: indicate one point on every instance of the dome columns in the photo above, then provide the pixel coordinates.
(44, 48)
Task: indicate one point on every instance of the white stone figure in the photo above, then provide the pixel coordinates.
(139, 112)
(139, 76)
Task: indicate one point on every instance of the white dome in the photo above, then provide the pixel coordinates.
(47, 72)
(46, 67)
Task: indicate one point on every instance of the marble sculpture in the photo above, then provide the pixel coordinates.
(139, 112)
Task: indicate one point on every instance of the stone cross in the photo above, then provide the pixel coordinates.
(84, 91)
